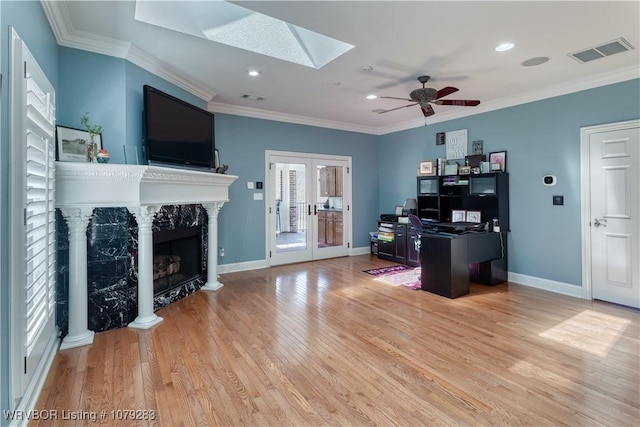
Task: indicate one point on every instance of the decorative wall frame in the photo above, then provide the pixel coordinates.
(71, 144)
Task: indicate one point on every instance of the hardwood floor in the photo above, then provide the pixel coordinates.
(322, 343)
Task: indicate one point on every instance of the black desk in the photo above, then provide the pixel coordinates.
(448, 263)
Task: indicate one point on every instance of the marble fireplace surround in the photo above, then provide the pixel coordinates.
(143, 190)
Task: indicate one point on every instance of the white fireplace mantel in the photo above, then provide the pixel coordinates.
(81, 187)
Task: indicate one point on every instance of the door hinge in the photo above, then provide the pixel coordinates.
(25, 364)
(348, 169)
(25, 69)
(269, 209)
(348, 245)
(24, 216)
(269, 254)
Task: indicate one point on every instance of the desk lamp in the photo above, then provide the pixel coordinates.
(411, 206)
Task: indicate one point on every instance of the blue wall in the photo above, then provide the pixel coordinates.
(110, 89)
(242, 143)
(540, 138)
(30, 23)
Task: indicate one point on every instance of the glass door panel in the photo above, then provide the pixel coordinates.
(291, 206)
(329, 208)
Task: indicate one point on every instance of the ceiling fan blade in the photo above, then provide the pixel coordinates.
(428, 111)
(446, 91)
(462, 102)
(397, 108)
(395, 97)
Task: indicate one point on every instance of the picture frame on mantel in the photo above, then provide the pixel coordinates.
(71, 144)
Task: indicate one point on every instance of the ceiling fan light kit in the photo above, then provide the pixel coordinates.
(425, 96)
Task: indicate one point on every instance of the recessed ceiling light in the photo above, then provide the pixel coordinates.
(253, 72)
(367, 68)
(372, 96)
(504, 46)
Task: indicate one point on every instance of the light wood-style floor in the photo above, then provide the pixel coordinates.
(322, 343)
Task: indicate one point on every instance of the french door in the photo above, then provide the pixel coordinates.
(308, 207)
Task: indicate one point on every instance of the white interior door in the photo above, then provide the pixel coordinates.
(308, 207)
(614, 227)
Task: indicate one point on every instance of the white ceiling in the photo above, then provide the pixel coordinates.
(451, 41)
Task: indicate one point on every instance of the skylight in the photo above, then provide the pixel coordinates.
(243, 28)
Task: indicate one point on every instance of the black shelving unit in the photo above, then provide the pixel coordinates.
(488, 194)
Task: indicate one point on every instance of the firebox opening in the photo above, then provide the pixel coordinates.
(177, 257)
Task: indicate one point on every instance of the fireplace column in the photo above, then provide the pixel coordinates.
(79, 333)
(212, 257)
(146, 317)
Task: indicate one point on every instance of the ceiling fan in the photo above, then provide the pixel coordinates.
(425, 96)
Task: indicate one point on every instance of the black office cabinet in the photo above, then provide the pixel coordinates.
(484, 193)
(428, 189)
(401, 249)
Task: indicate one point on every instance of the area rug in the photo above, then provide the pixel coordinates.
(408, 278)
(383, 271)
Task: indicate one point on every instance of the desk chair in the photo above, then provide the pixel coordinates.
(417, 225)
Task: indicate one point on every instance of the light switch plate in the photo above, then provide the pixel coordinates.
(558, 200)
(250, 185)
(257, 196)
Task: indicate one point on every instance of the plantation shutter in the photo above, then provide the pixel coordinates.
(32, 222)
(40, 209)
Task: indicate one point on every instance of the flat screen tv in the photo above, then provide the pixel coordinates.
(177, 133)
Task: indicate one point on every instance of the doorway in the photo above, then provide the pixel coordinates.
(610, 159)
(308, 206)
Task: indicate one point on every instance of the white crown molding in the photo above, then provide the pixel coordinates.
(149, 63)
(603, 79)
(218, 107)
(60, 22)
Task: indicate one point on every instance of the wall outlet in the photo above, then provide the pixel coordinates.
(221, 252)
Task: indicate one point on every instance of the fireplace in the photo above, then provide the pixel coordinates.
(177, 258)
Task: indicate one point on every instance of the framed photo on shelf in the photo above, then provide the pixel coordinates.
(426, 168)
(498, 157)
(473, 216)
(71, 144)
(458, 216)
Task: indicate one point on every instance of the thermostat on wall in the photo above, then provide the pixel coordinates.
(549, 180)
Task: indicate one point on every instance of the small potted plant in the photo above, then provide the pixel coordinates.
(103, 156)
(93, 131)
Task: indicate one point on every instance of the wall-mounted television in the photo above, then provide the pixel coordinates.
(177, 133)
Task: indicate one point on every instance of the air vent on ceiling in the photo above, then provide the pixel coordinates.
(606, 49)
(253, 97)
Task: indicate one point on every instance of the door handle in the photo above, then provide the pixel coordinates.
(309, 210)
(602, 222)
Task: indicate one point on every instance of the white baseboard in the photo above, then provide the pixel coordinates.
(34, 388)
(521, 279)
(546, 284)
(365, 250)
(242, 266)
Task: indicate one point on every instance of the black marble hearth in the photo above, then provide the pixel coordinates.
(111, 264)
